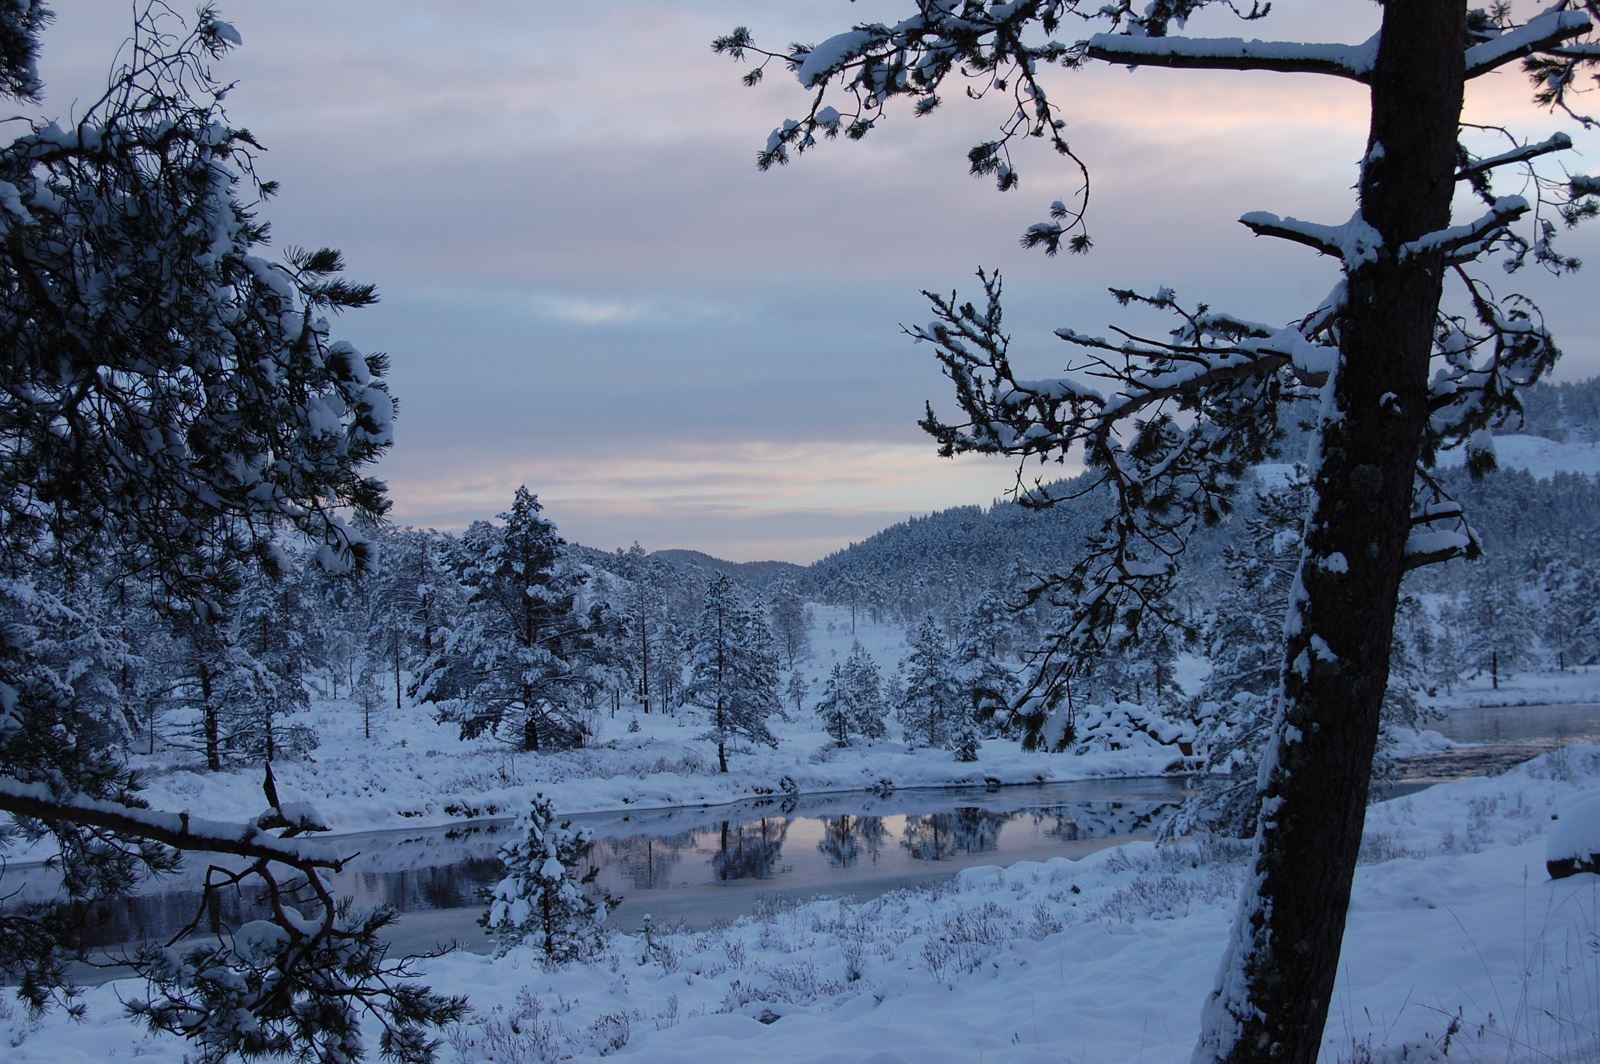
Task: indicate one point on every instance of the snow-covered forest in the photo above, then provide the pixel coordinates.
(1271, 568)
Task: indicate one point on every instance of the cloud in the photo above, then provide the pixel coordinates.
(588, 286)
(575, 309)
(817, 496)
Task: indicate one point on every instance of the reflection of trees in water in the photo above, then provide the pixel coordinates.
(968, 830)
(641, 862)
(1098, 820)
(1058, 822)
(749, 851)
(846, 838)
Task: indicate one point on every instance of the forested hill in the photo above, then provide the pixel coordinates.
(753, 574)
(1563, 412)
(933, 563)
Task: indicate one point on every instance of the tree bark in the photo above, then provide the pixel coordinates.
(1276, 979)
(209, 721)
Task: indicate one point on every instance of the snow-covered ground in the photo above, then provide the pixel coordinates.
(415, 772)
(1104, 959)
(1533, 688)
(1454, 924)
(1538, 456)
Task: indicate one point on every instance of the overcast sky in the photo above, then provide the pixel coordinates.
(587, 287)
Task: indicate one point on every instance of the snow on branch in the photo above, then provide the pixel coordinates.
(1352, 61)
(1481, 363)
(1165, 434)
(1427, 543)
(177, 830)
(1463, 243)
(1538, 34)
(1355, 242)
(1430, 546)
(1521, 154)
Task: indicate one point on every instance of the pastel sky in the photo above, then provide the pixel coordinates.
(588, 287)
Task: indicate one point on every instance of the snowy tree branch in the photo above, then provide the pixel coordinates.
(1537, 35)
(1353, 62)
(1476, 168)
(177, 830)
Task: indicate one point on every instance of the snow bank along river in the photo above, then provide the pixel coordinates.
(695, 866)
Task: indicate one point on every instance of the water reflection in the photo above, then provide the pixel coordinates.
(939, 836)
(657, 859)
(749, 851)
(846, 838)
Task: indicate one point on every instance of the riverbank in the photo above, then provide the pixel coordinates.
(1104, 959)
(413, 772)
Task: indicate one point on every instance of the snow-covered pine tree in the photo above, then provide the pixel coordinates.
(834, 710)
(172, 400)
(412, 592)
(516, 663)
(271, 624)
(864, 695)
(796, 689)
(790, 622)
(932, 702)
(1573, 590)
(733, 670)
(642, 615)
(542, 899)
(1172, 424)
(988, 685)
(1497, 623)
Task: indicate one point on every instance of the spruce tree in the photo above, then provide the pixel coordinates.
(541, 899)
(835, 710)
(519, 662)
(932, 703)
(733, 670)
(866, 703)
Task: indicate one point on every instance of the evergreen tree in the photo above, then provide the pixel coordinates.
(172, 400)
(1170, 424)
(1497, 624)
(932, 702)
(790, 622)
(835, 711)
(411, 594)
(542, 899)
(796, 689)
(272, 622)
(518, 663)
(733, 670)
(1573, 626)
(865, 699)
(642, 617)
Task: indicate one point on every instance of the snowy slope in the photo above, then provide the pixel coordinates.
(1538, 456)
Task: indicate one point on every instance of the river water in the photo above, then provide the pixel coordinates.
(695, 866)
(692, 867)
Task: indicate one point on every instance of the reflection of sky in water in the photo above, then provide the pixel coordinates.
(709, 849)
(1513, 724)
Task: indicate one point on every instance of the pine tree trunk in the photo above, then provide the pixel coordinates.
(209, 722)
(1273, 988)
